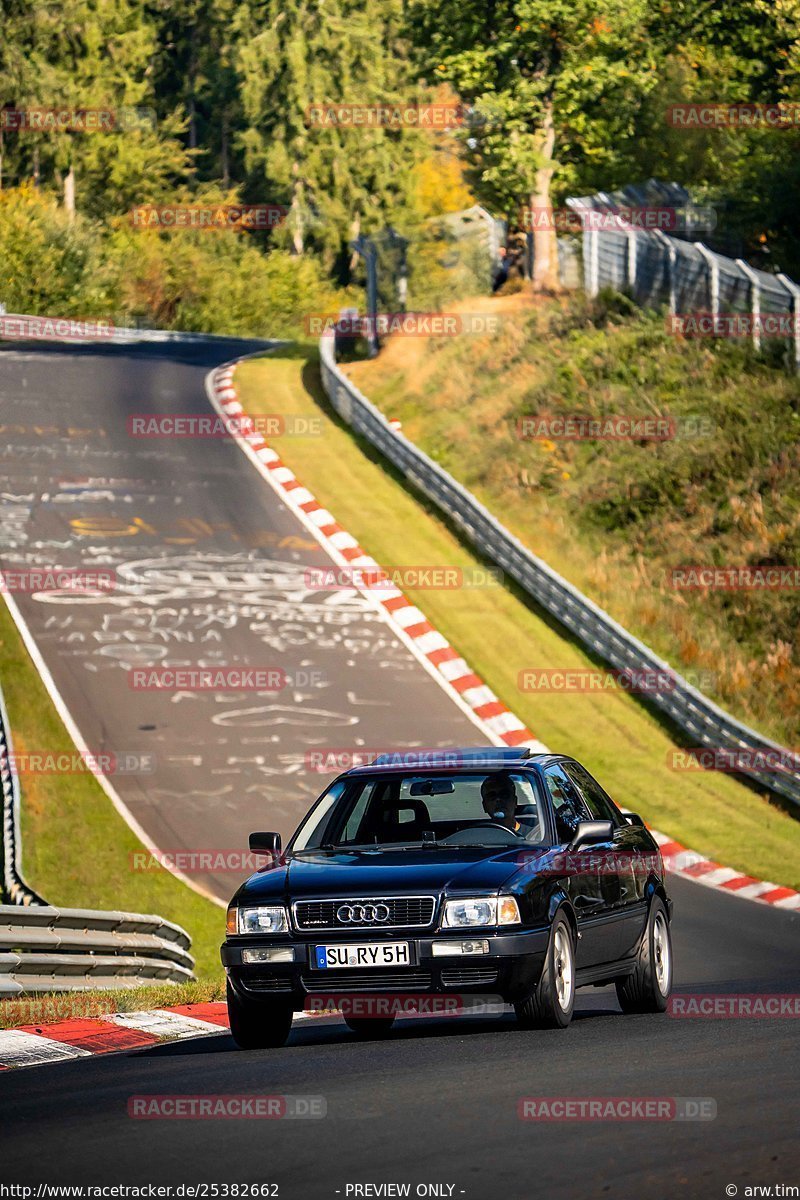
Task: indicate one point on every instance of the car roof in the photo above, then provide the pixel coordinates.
(456, 758)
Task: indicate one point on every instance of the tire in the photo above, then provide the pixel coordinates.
(647, 989)
(550, 1005)
(370, 1026)
(259, 1024)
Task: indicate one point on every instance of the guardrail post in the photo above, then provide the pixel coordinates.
(631, 260)
(713, 276)
(591, 249)
(672, 255)
(755, 300)
(794, 292)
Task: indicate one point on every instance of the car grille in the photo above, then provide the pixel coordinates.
(367, 981)
(404, 912)
(267, 983)
(464, 976)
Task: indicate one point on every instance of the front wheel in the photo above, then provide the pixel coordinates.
(647, 989)
(366, 1026)
(550, 1005)
(258, 1024)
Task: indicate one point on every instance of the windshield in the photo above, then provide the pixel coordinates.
(487, 808)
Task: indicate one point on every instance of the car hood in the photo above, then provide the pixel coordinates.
(383, 872)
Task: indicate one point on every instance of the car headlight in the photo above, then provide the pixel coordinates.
(481, 910)
(264, 919)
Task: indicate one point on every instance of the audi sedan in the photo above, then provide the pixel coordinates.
(447, 878)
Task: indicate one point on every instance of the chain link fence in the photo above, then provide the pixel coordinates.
(707, 294)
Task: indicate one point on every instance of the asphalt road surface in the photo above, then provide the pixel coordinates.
(211, 570)
(437, 1101)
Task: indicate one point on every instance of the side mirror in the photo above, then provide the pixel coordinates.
(589, 833)
(265, 843)
(633, 819)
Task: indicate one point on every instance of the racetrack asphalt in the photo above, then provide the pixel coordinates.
(211, 570)
(436, 1102)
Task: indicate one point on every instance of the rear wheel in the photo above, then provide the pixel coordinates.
(366, 1026)
(648, 988)
(550, 1005)
(258, 1024)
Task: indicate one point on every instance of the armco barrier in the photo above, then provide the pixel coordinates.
(12, 885)
(703, 721)
(44, 949)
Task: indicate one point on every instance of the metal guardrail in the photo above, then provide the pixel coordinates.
(12, 885)
(47, 949)
(44, 949)
(702, 720)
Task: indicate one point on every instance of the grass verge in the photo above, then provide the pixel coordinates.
(70, 1006)
(499, 635)
(76, 848)
(618, 516)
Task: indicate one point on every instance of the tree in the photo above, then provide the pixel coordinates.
(335, 179)
(550, 83)
(90, 55)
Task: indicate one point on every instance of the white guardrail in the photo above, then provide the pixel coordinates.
(47, 949)
(44, 949)
(704, 723)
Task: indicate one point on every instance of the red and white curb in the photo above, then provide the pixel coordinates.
(444, 663)
(451, 672)
(32, 1045)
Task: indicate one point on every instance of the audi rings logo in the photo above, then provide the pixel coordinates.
(362, 914)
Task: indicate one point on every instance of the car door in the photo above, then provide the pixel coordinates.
(621, 866)
(577, 868)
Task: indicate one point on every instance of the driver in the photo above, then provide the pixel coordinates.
(500, 800)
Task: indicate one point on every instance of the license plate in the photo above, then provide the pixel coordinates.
(367, 954)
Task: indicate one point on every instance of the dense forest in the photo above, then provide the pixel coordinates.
(219, 103)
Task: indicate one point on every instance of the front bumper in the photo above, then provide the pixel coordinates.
(509, 971)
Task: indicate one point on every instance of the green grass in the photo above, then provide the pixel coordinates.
(69, 1006)
(76, 848)
(614, 517)
(616, 736)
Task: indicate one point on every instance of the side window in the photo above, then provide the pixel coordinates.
(568, 806)
(595, 798)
